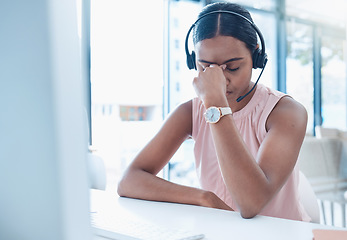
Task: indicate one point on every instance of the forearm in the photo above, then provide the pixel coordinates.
(140, 184)
(143, 185)
(244, 178)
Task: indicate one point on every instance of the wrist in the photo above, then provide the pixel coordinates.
(206, 198)
(216, 103)
(214, 114)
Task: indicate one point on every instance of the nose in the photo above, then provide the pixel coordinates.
(227, 80)
(223, 67)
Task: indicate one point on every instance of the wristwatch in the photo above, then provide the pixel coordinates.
(214, 114)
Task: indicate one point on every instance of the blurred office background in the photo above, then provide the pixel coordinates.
(139, 73)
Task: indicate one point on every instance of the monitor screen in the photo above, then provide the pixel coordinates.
(43, 138)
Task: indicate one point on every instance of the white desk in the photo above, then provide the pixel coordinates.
(215, 224)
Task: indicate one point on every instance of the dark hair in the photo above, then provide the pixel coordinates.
(225, 24)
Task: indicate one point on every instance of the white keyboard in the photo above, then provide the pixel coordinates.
(122, 228)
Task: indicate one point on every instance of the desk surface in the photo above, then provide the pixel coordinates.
(214, 223)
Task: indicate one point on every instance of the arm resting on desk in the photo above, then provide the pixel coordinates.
(143, 185)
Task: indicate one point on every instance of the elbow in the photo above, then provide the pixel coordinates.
(251, 211)
(252, 206)
(123, 186)
(248, 214)
(120, 189)
(128, 183)
(131, 184)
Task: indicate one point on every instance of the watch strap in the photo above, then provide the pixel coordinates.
(225, 111)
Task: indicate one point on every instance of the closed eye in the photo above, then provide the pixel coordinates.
(232, 69)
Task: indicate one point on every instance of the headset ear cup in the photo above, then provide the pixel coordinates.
(191, 61)
(256, 58)
(259, 59)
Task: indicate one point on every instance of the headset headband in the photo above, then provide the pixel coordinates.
(228, 12)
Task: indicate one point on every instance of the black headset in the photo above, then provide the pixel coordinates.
(259, 56)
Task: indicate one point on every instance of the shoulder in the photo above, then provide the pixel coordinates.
(181, 117)
(288, 113)
(184, 108)
(287, 105)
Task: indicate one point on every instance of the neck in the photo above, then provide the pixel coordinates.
(238, 105)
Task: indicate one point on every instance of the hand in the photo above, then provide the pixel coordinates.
(211, 200)
(210, 84)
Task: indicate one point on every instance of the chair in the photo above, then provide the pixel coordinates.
(322, 132)
(308, 198)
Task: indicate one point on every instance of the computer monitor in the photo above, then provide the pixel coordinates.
(44, 188)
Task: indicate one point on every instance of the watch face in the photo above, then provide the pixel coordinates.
(212, 115)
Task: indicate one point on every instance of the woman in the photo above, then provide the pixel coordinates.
(246, 159)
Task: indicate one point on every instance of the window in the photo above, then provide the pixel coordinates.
(182, 15)
(126, 79)
(332, 12)
(316, 68)
(333, 82)
(267, 25)
(300, 66)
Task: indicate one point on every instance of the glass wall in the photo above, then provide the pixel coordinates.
(333, 82)
(266, 23)
(299, 79)
(182, 14)
(126, 78)
(316, 64)
(331, 12)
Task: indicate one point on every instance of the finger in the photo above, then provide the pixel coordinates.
(223, 66)
(202, 66)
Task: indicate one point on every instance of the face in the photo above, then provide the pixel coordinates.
(229, 51)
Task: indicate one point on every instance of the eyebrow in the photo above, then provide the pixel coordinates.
(230, 60)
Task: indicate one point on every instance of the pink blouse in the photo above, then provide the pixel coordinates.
(251, 123)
